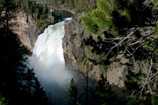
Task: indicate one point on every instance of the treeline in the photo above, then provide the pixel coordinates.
(18, 84)
(78, 5)
(103, 94)
(38, 10)
(31, 7)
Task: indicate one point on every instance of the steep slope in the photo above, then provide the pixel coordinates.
(77, 54)
(75, 51)
(26, 29)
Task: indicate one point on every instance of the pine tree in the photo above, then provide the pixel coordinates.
(104, 95)
(102, 19)
(120, 20)
(15, 76)
(39, 95)
(139, 89)
(8, 7)
(131, 85)
(11, 65)
(126, 26)
(73, 92)
(16, 79)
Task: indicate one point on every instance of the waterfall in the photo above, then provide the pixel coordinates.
(48, 63)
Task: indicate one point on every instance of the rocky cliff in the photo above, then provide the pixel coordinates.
(77, 54)
(26, 28)
(75, 51)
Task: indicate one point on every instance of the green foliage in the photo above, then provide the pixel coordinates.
(104, 95)
(78, 5)
(3, 101)
(8, 7)
(102, 19)
(102, 68)
(32, 8)
(73, 92)
(39, 94)
(117, 15)
(128, 27)
(131, 85)
(42, 16)
(154, 100)
(126, 15)
(104, 6)
(120, 23)
(139, 90)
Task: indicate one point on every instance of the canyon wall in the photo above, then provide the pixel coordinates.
(77, 53)
(26, 28)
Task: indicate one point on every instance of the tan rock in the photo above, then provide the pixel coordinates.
(25, 28)
(116, 75)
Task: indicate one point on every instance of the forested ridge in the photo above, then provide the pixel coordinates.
(40, 9)
(78, 5)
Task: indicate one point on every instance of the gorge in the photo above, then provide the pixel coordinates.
(48, 62)
(60, 45)
(106, 53)
(54, 51)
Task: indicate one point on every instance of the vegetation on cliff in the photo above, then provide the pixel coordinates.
(78, 5)
(38, 10)
(127, 27)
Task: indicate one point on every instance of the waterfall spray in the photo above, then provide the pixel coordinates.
(49, 65)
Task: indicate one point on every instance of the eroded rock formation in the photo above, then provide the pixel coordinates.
(26, 28)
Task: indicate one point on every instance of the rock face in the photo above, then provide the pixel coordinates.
(26, 29)
(75, 51)
(76, 54)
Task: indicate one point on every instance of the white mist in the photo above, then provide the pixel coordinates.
(49, 65)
